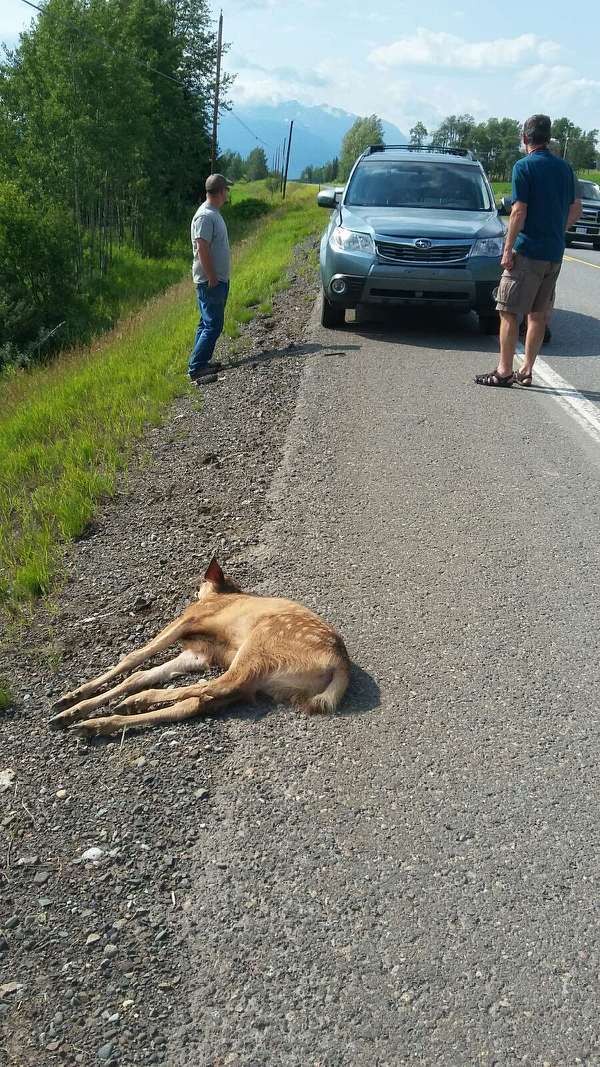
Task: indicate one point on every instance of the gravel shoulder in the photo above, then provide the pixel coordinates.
(97, 841)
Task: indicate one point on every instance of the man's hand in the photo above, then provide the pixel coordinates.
(213, 282)
(515, 225)
(508, 259)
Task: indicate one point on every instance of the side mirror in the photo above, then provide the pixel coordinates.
(327, 198)
(505, 205)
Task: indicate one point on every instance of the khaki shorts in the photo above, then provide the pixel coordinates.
(529, 286)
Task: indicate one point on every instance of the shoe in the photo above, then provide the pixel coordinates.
(209, 368)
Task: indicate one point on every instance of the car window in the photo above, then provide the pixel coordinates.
(388, 183)
(589, 190)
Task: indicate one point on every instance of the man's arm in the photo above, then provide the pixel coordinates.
(516, 222)
(206, 259)
(574, 213)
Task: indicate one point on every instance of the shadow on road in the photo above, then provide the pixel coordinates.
(363, 693)
(423, 328)
(574, 336)
(291, 352)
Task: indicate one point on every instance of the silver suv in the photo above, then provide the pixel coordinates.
(413, 227)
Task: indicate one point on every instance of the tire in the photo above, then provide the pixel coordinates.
(596, 246)
(489, 324)
(568, 242)
(331, 314)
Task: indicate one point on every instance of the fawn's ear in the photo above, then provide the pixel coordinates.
(214, 574)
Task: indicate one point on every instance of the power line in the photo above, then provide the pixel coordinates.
(230, 111)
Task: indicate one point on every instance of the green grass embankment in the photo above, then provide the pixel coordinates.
(67, 429)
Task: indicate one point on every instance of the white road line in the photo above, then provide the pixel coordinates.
(583, 411)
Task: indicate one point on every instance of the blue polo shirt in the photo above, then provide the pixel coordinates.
(546, 184)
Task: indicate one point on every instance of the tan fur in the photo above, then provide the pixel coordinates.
(267, 646)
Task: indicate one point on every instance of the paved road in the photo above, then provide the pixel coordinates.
(416, 881)
(575, 349)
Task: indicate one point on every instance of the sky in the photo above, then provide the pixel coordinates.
(407, 61)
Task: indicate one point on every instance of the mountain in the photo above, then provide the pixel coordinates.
(317, 136)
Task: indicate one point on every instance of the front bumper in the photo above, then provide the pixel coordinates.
(368, 281)
(585, 230)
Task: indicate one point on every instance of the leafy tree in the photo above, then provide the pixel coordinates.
(256, 167)
(418, 133)
(327, 173)
(576, 145)
(38, 282)
(454, 132)
(94, 136)
(231, 165)
(363, 132)
(497, 144)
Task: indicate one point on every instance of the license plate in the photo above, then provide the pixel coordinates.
(581, 229)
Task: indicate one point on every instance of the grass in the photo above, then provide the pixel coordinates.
(5, 695)
(67, 429)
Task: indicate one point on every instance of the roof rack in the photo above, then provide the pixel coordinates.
(421, 148)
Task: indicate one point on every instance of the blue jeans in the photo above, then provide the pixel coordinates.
(211, 303)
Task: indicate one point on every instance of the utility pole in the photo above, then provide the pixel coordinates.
(281, 159)
(287, 159)
(213, 147)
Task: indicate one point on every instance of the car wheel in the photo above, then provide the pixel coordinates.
(568, 241)
(596, 246)
(489, 324)
(331, 314)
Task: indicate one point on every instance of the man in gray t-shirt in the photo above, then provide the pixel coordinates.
(210, 271)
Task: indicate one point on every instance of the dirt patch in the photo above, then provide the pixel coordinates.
(97, 840)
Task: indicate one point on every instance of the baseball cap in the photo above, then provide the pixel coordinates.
(215, 183)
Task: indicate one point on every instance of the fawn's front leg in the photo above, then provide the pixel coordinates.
(171, 633)
(185, 663)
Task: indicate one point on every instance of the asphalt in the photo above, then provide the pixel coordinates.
(415, 880)
(573, 352)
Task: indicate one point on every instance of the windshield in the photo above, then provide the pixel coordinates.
(381, 183)
(589, 190)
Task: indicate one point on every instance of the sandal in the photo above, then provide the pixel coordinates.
(524, 377)
(493, 378)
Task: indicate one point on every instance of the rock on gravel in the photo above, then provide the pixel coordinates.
(97, 966)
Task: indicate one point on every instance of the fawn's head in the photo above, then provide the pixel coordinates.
(215, 583)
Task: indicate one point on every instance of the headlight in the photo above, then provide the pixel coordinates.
(351, 240)
(489, 246)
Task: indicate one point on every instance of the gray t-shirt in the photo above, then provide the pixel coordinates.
(209, 224)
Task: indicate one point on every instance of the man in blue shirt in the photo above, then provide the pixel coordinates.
(544, 206)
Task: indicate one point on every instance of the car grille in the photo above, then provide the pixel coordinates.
(407, 253)
(419, 294)
(589, 214)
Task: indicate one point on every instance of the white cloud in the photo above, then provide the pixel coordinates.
(443, 50)
(255, 84)
(560, 86)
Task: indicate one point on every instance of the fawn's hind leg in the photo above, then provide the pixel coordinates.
(240, 680)
(185, 663)
(184, 709)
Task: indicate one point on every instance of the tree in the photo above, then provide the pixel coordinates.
(104, 117)
(364, 132)
(454, 132)
(576, 145)
(418, 134)
(323, 175)
(231, 165)
(497, 144)
(256, 167)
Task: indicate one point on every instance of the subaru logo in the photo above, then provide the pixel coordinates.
(423, 242)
